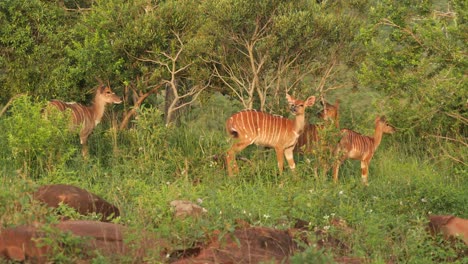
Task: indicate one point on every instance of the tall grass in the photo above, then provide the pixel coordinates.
(154, 164)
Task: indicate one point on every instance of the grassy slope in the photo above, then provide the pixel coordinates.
(155, 165)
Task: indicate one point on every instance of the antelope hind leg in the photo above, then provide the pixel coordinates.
(231, 156)
(364, 172)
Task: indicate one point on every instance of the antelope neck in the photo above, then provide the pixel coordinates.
(377, 136)
(299, 124)
(97, 109)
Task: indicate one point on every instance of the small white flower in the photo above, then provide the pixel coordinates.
(332, 214)
(220, 212)
(375, 197)
(370, 211)
(244, 212)
(340, 193)
(266, 216)
(424, 200)
(326, 228)
(168, 183)
(401, 203)
(326, 217)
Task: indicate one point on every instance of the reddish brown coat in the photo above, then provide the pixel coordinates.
(88, 116)
(253, 127)
(355, 146)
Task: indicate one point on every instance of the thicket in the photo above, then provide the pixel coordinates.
(184, 66)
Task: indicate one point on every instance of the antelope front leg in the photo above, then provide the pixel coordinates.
(279, 157)
(288, 153)
(230, 157)
(365, 171)
(84, 146)
(336, 167)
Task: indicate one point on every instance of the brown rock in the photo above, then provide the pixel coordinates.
(450, 226)
(18, 244)
(81, 200)
(184, 208)
(247, 245)
(111, 240)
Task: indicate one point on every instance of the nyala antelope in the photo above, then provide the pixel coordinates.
(88, 116)
(310, 135)
(263, 129)
(353, 145)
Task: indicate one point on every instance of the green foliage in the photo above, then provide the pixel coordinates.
(406, 60)
(36, 143)
(32, 32)
(418, 62)
(65, 247)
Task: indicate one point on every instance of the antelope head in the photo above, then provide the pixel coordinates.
(297, 107)
(329, 111)
(382, 123)
(105, 94)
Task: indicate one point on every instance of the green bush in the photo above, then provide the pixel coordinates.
(36, 142)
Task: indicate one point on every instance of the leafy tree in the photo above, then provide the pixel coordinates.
(262, 49)
(416, 56)
(32, 40)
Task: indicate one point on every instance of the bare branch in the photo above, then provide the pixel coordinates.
(388, 22)
(449, 139)
(4, 109)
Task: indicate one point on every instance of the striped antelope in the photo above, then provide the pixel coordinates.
(310, 135)
(355, 146)
(263, 129)
(88, 116)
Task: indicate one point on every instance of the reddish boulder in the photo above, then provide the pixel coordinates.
(111, 240)
(20, 243)
(81, 200)
(450, 226)
(247, 245)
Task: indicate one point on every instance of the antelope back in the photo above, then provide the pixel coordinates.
(80, 113)
(355, 144)
(309, 135)
(260, 128)
(269, 130)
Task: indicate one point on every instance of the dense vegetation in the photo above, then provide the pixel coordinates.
(184, 66)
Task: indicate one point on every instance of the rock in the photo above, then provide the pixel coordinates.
(450, 226)
(186, 208)
(81, 200)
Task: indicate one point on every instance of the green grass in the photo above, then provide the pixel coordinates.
(153, 165)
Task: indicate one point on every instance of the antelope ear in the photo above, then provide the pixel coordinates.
(310, 101)
(337, 103)
(15, 253)
(290, 99)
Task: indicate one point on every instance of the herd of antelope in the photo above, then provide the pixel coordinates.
(285, 136)
(248, 127)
